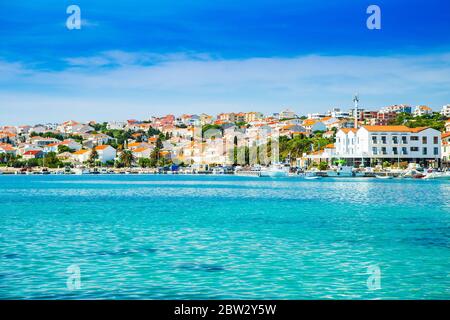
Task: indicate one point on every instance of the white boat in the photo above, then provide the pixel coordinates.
(341, 171)
(275, 170)
(312, 177)
(383, 177)
(438, 176)
(80, 171)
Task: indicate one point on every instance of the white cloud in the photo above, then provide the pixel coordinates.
(202, 83)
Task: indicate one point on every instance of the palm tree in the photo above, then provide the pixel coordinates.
(93, 156)
(127, 158)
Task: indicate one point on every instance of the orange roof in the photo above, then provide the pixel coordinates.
(425, 108)
(53, 144)
(309, 122)
(139, 149)
(80, 152)
(445, 135)
(152, 139)
(393, 129)
(347, 130)
(330, 146)
(102, 147)
(134, 144)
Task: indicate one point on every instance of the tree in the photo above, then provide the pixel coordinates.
(144, 162)
(127, 158)
(63, 148)
(93, 157)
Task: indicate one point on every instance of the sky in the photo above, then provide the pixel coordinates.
(134, 59)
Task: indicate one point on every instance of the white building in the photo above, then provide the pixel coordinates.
(446, 110)
(105, 153)
(287, 114)
(445, 148)
(81, 155)
(422, 111)
(389, 143)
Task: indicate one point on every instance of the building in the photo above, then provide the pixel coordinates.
(422, 111)
(226, 117)
(142, 152)
(33, 154)
(376, 144)
(398, 108)
(446, 110)
(447, 126)
(312, 125)
(253, 116)
(445, 149)
(81, 155)
(287, 114)
(105, 153)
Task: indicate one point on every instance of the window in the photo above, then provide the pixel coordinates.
(394, 149)
(395, 139)
(414, 149)
(404, 139)
(383, 139)
(436, 151)
(414, 138)
(374, 139)
(404, 150)
(374, 150)
(424, 140)
(424, 151)
(435, 140)
(383, 150)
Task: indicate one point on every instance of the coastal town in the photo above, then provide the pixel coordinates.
(397, 137)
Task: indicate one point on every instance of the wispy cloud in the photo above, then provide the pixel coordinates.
(148, 82)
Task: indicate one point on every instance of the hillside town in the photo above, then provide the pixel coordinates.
(392, 137)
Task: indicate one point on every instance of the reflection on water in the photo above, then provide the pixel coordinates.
(188, 237)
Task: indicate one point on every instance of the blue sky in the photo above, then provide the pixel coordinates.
(134, 58)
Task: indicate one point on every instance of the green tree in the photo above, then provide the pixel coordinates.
(127, 158)
(63, 148)
(93, 157)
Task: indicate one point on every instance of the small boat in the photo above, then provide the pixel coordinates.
(312, 177)
(275, 170)
(438, 176)
(383, 177)
(341, 171)
(418, 176)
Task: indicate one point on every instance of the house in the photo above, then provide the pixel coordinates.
(312, 125)
(291, 129)
(142, 152)
(7, 148)
(226, 117)
(447, 126)
(42, 142)
(389, 143)
(81, 155)
(71, 144)
(422, 111)
(33, 154)
(105, 153)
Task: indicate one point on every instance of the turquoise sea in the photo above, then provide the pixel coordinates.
(223, 237)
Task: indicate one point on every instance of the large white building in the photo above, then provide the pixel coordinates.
(370, 144)
(446, 110)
